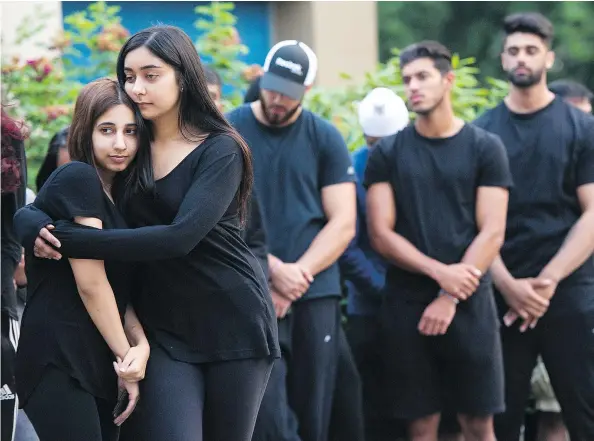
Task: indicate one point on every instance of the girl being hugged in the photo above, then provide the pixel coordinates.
(73, 325)
(203, 297)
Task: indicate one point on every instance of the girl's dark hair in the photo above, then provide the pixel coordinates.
(50, 162)
(12, 145)
(94, 100)
(198, 113)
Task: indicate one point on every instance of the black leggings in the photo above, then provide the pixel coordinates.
(60, 410)
(180, 401)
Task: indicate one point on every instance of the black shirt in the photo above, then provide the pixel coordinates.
(291, 165)
(435, 184)
(202, 294)
(551, 154)
(56, 327)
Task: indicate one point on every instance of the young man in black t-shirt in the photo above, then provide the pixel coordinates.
(305, 183)
(545, 273)
(437, 201)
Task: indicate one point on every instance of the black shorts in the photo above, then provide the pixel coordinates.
(460, 372)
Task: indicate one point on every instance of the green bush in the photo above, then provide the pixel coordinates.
(42, 91)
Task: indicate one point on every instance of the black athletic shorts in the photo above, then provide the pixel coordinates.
(459, 372)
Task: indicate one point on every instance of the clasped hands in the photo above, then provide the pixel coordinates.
(130, 371)
(288, 282)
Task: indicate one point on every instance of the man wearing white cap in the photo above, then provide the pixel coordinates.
(381, 113)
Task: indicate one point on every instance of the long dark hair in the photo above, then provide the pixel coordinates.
(94, 100)
(50, 162)
(198, 113)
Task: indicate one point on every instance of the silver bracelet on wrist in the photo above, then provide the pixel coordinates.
(449, 296)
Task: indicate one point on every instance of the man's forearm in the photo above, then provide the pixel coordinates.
(404, 254)
(273, 262)
(578, 246)
(484, 249)
(327, 246)
(502, 278)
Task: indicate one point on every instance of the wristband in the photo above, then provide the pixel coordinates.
(449, 296)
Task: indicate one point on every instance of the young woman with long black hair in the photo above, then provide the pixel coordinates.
(72, 328)
(203, 297)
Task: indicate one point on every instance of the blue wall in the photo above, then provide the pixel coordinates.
(253, 22)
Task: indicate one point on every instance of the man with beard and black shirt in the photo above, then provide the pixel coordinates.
(305, 183)
(437, 203)
(545, 273)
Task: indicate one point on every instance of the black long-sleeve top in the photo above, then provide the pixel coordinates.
(202, 294)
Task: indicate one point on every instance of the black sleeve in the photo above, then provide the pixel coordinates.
(336, 166)
(494, 168)
(73, 190)
(377, 169)
(585, 158)
(28, 221)
(215, 184)
(254, 234)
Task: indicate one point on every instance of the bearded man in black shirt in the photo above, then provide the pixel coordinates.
(545, 274)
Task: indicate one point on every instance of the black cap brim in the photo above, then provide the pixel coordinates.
(281, 85)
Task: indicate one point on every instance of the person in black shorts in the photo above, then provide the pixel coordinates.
(304, 178)
(201, 294)
(72, 327)
(545, 275)
(437, 200)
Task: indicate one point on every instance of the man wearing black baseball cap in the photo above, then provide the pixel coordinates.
(305, 182)
(290, 68)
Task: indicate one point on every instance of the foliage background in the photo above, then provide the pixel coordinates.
(43, 91)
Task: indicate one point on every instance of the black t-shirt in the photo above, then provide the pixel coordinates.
(551, 154)
(56, 327)
(201, 293)
(435, 184)
(291, 165)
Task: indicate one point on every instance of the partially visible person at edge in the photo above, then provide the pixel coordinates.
(309, 225)
(381, 113)
(545, 273)
(13, 179)
(57, 155)
(549, 420)
(202, 296)
(436, 206)
(73, 324)
(573, 93)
